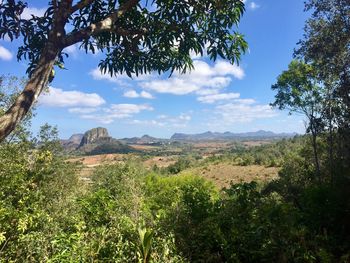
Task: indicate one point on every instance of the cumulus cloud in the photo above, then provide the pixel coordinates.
(83, 110)
(29, 11)
(116, 111)
(60, 98)
(146, 95)
(218, 97)
(243, 110)
(202, 78)
(97, 74)
(5, 54)
(134, 94)
(179, 121)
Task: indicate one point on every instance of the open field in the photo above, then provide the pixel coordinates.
(222, 174)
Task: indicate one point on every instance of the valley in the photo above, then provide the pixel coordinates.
(217, 157)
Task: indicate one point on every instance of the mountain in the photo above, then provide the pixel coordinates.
(95, 136)
(209, 136)
(95, 141)
(72, 143)
(98, 141)
(145, 139)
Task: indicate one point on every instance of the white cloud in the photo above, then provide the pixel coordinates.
(149, 123)
(185, 117)
(116, 111)
(179, 121)
(29, 11)
(245, 110)
(134, 94)
(225, 68)
(121, 80)
(146, 95)
(131, 94)
(253, 6)
(127, 109)
(97, 74)
(60, 98)
(218, 97)
(174, 85)
(203, 77)
(5, 54)
(82, 110)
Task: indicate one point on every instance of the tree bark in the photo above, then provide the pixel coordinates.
(314, 146)
(36, 84)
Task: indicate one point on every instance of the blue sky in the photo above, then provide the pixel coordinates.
(216, 96)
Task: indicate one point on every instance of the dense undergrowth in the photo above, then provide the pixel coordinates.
(129, 214)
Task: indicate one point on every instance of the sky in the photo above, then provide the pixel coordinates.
(215, 96)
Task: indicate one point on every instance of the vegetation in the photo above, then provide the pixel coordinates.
(130, 214)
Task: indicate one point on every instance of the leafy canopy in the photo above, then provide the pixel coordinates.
(297, 89)
(136, 37)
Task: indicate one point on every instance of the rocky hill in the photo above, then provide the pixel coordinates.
(95, 136)
(72, 143)
(95, 141)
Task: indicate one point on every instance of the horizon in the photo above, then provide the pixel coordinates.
(215, 96)
(168, 138)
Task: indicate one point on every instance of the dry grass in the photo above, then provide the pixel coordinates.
(160, 161)
(98, 159)
(143, 147)
(222, 174)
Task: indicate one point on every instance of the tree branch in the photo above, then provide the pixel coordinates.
(105, 25)
(81, 4)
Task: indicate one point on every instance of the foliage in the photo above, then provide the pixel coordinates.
(127, 214)
(33, 204)
(145, 246)
(298, 91)
(326, 45)
(179, 165)
(143, 35)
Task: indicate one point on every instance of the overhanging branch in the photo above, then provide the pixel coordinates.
(105, 25)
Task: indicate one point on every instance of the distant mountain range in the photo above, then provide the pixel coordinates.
(97, 140)
(261, 134)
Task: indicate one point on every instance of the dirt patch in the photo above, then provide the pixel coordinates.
(223, 174)
(99, 159)
(143, 147)
(160, 161)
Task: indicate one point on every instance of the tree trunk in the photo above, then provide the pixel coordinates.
(314, 146)
(31, 91)
(331, 146)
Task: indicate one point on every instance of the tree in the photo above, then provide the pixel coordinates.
(298, 91)
(10, 88)
(136, 37)
(326, 44)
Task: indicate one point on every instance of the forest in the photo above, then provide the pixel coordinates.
(129, 213)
